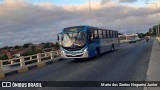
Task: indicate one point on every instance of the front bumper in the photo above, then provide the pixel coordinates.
(75, 54)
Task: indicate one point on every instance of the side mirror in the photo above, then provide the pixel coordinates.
(59, 38)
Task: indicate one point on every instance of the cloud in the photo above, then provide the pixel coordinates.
(127, 1)
(22, 22)
(146, 0)
(105, 1)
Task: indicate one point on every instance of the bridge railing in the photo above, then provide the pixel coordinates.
(26, 61)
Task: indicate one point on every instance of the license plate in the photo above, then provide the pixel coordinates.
(73, 55)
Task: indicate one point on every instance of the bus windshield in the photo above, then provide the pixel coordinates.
(74, 39)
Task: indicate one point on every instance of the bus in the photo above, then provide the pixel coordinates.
(86, 41)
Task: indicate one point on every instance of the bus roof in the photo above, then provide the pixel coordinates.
(87, 26)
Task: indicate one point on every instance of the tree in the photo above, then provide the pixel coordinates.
(28, 53)
(153, 30)
(4, 57)
(48, 45)
(57, 46)
(140, 35)
(33, 48)
(147, 34)
(16, 47)
(5, 48)
(25, 45)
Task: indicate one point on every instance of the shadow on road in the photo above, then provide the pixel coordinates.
(78, 60)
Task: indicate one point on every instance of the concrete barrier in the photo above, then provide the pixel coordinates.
(153, 71)
(22, 64)
(158, 38)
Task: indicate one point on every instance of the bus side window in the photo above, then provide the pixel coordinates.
(100, 34)
(113, 34)
(91, 35)
(110, 34)
(104, 34)
(116, 34)
(107, 36)
(96, 34)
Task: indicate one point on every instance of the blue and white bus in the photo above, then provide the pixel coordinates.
(86, 41)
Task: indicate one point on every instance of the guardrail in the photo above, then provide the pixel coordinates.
(21, 64)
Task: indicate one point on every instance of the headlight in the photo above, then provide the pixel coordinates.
(85, 53)
(85, 50)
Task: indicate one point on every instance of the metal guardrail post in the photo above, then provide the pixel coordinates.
(52, 54)
(22, 63)
(1, 66)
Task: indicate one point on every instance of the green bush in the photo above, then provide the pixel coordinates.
(28, 53)
(31, 53)
(4, 57)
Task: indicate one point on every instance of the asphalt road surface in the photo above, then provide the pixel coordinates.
(128, 63)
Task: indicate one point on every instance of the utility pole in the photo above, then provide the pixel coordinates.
(90, 12)
(126, 31)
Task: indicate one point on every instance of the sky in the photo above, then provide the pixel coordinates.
(36, 21)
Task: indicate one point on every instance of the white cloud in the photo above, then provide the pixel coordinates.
(105, 1)
(21, 22)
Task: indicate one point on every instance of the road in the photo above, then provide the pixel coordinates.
(128, 63)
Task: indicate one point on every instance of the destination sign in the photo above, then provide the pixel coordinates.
(73, 29)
